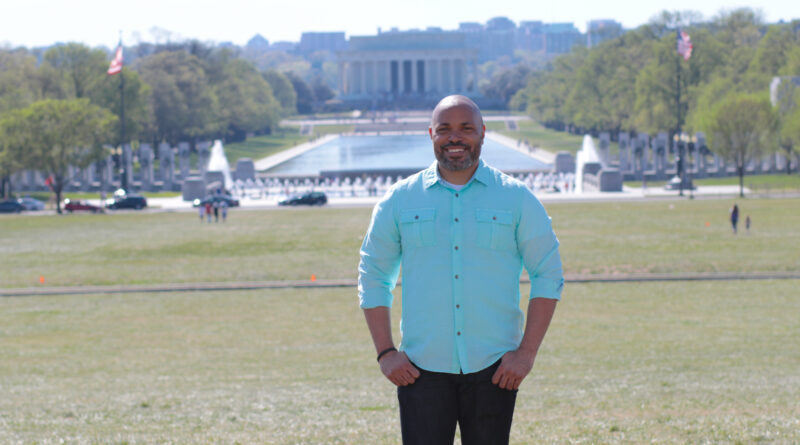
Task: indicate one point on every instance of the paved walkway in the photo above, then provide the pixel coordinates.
(349, 282)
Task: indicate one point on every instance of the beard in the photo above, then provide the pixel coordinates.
(469, 159)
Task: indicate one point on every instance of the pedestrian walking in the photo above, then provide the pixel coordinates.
(734, 217)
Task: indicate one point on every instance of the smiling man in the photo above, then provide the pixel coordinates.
(462, 232)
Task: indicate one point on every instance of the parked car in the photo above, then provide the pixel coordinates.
(31, 204)
(10, 206)
(216, 198)
(310, 198)
(137, 202)
(80, 206)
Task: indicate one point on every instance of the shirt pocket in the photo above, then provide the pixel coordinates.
(418, 227)
(495, 229)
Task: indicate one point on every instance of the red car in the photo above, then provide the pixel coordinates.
(80, 206)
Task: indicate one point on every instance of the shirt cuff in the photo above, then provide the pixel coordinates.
(377, 297)
(546, 288)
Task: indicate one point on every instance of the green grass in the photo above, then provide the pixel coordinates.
(773, 183)
(623, 363)
(545, 138)
(259, 147)
(291, 244)
(677, 362)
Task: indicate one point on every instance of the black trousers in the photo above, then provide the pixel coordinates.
(431, 407)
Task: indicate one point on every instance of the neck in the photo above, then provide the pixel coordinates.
(457, 177)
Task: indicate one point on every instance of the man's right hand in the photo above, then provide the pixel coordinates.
(398, 369)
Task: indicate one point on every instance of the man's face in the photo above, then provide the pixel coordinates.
(457, 134)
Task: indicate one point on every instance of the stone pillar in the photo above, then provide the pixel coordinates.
(388, 76)
(184, 152)
(643, 148)
(108, 174)
(661, 143)
(401, 78)
(203, 154)
(624, 151)
(363, 80)
(166, 165)
(376, 88)
(127, 156)
(605, 144)
(146, 163)
(340, 66)
(414, 78)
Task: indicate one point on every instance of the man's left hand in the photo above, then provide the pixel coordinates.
(514, 367)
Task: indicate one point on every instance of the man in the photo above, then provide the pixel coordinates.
(462, 232)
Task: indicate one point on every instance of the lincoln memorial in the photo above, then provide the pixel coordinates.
(407, 67)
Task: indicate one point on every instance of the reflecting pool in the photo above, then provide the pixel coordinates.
(408, 151)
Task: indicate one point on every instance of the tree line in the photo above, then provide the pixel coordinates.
(631, 83)
(173, 93)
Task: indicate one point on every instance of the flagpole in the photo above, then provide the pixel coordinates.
(124, 170)
(679, 164)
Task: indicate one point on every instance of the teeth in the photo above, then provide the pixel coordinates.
(455, 150)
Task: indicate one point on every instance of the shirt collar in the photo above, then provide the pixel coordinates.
(430, 175)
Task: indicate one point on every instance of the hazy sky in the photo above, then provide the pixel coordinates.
(99, 22)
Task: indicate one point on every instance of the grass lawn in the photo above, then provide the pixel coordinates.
(292, 244)
(550, 140)
(677, 362)
(778, 183)
(710, 362)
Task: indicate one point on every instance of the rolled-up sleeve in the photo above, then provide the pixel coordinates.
(538, 246)
(380, 257)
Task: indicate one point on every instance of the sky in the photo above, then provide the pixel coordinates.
(33, 23)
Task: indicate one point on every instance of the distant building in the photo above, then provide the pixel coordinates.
(598, 31)
(311, 42)
(559, 38)
(411, 67)
(530, 36)
(286, 47)
(257, 44)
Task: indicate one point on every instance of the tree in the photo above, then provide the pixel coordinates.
(80, 67)
(741, 129)
(246, 103)
(305, 97)
(52, 135)
(283, 90)
(321, 90)
(505, 84)
(182, 103)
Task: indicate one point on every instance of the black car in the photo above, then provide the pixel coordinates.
(11, 206)
(310, 198)
(137, 202)
(216, 199)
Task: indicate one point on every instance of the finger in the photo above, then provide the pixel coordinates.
(497, 375)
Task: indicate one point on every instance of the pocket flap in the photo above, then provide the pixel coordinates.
(494, 216)
(417, 215)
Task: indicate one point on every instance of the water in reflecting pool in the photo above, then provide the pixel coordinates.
(393, 151)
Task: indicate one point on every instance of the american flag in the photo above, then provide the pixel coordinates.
(684, 45)
(116, 64)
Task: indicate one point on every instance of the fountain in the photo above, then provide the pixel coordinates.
(586, 155)
(217, 162)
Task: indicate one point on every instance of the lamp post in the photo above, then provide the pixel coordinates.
(692, 147)
(678, 144)
(119, 152)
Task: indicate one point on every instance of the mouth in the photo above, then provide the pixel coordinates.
(454, 148)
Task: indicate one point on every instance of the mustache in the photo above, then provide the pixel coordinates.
(455, 144)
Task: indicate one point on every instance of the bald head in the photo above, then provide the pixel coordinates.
(456, 100)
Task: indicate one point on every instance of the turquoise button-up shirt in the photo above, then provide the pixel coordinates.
(462, 254)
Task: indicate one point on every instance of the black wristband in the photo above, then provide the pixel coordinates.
(386, 351)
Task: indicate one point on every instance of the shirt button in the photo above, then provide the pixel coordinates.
(456, 276)
(494, 218)
(458, 306)
(456, 247)
(456, 219)
(456, 195)
(416, 216)
(458, 333)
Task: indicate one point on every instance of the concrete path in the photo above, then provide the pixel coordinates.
(350, 282)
